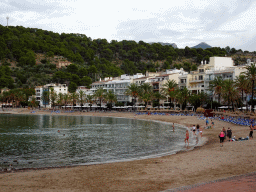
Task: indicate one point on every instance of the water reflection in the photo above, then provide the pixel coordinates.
(44, 141)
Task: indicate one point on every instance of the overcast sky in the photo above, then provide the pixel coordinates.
(219, 23)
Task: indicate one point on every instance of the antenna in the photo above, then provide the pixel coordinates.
(7, 20)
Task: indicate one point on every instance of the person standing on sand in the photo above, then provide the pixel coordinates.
(221, 136)
(187, 137)
(251, 131)
(225, 132)
(194, 129)
(207, 121)
(197, 129)
(229, 133)
(212, 124)
(173, 127)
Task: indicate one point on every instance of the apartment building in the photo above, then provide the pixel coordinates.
(198, 81)
(58, 88)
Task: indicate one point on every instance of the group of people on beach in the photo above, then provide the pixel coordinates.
(228, 133)
(224, 134)
(197, 130)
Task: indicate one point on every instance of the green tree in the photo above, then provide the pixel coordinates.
(230, 93)
(146, 93)
(53, 97)
(72, 87)
(216, 87)
(99, 95)
(133, 91)
(66, 98)
(158, 96)
(73, 97)
(243, 85)
(89, 99)
(110, 98)
(45, 98)
(251, 75)
(81, 98)
(169, 90)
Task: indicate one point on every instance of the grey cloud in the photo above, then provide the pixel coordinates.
(24, 5)
(214, 18)
(145, 29)
(28, 6)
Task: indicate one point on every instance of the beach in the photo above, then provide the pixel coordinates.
(189, 167)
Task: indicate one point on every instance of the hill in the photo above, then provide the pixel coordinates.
(202, 45)
(31, 57)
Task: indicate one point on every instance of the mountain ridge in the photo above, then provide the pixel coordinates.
(202, 45)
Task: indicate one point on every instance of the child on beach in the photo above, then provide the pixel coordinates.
(187, 137)
(173, 127)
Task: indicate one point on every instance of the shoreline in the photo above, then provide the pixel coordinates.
(201, 142)
(204, 163)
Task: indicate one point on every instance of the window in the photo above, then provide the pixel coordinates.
(201, 70)
(200, 77)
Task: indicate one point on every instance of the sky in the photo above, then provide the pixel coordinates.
(218, 23)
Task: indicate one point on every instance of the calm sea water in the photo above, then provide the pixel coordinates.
(28, 141)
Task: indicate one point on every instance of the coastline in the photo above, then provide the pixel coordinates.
(207, 162)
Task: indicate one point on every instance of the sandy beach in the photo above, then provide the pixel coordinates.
(202, 164)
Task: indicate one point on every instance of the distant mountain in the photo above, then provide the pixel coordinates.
(202, 45)
(172, 44)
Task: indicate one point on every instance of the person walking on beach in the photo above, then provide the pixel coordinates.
(229, 134)
(207, 121)
(225, 132)
(197, 129)
(194, 129)
(187, 137)
(212, 124)
(173, 127)
(221, 136)
(251, 131)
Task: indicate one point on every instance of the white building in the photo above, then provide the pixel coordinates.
(58, 88)
(198, 81)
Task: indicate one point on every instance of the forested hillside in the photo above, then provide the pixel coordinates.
(28, 57)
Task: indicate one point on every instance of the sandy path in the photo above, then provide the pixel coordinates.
(203, 164)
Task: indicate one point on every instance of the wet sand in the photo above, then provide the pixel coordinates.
(203, 164)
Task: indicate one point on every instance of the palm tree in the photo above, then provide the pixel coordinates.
(33, 102)
(45, 97)
(65, 99)
(169, 89)
(182, 96)
(111, 98)
(60, 99)
(158, 96)
(198, 99)
(73, 97)
(53, 97)
(146, 93)
(100, 95)
(81, 98)
(133, 91)
(251, 75)
(216, 86)
(230, 93)
(242, 84)
(89, 99)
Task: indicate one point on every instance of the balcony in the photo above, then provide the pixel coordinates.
(193, 80)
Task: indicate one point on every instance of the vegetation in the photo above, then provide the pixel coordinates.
(29, 56)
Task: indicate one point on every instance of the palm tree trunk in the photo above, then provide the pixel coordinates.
(252, 95)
